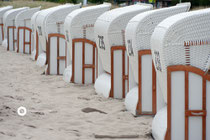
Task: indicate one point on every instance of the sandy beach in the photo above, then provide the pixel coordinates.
(57, 110)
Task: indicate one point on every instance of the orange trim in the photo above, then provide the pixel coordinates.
(37, 46)
(84, 66)
(201, 113)
(24, 38)
(124, 76)
(58, 36)
(139, 105)
(13, 32)
(2, 29)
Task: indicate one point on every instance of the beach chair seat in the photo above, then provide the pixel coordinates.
(50, 26)
(109, 33)
(142, 75)
(24, 30)
(10, 33)
(2, 11)
(79, 25)
(180, 48)
(35, 38)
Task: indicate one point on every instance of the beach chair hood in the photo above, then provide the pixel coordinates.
(48, 19)
(82, 20)
(140, 28)
(109, 29)
(2, 11)
(180, 40)
(80, 25)
(25, 16)
(33, 21)
(9, 17)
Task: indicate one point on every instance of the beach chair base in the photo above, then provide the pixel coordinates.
(4, 43)
(103, 85)
(159, 124)
(41, 61)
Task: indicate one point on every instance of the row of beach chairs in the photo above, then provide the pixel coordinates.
(158, 60)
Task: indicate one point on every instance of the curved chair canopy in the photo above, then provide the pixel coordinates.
(9, 17)
(140, 28)
(181, 39)
(48, 21)
(111, 26)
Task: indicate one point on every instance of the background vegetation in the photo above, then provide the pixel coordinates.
(196, 4)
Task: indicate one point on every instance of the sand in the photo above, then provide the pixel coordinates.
(57, 110)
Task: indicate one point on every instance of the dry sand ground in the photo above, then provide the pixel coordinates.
(54, 108)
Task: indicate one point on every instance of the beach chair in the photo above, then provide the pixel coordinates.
(24, 30)
(79, 33)
(50, 26)
(10, 34)
(141, 98)
(180, 48)
(35, 38)
(2, 11)
(109, 33)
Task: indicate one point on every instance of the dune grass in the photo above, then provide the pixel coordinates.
(43, 4)
(28, 3)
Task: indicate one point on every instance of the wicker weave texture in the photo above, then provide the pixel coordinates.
(140, 28)
(24, 18)
(182, 39)
(109, 29)
(48, 20)
(9, 18)
(4, 10)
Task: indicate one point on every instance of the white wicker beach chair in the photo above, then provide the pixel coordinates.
(23, 26)
(141, 98)
(10, 34)
(180, 48)
(50, 26)
(110, 39)
(35, 38)
(79, 27)
(2, 11)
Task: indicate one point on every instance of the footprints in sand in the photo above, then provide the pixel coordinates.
(8, 134)
(89, 110)
(83, 98)
(36, 100)
(6, 111)
(31, 126)
(19, 98)
(38, 113)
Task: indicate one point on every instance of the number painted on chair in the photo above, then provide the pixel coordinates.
(101, 42)
(130, 49)
(157, 61)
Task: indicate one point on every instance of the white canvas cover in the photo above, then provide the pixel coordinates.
(2, 11)
(109, 31)
(75, 24)
(9, 20)
(34, 35)
(138, 33)
(183, 39)
(23, 19)
(51, 21)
